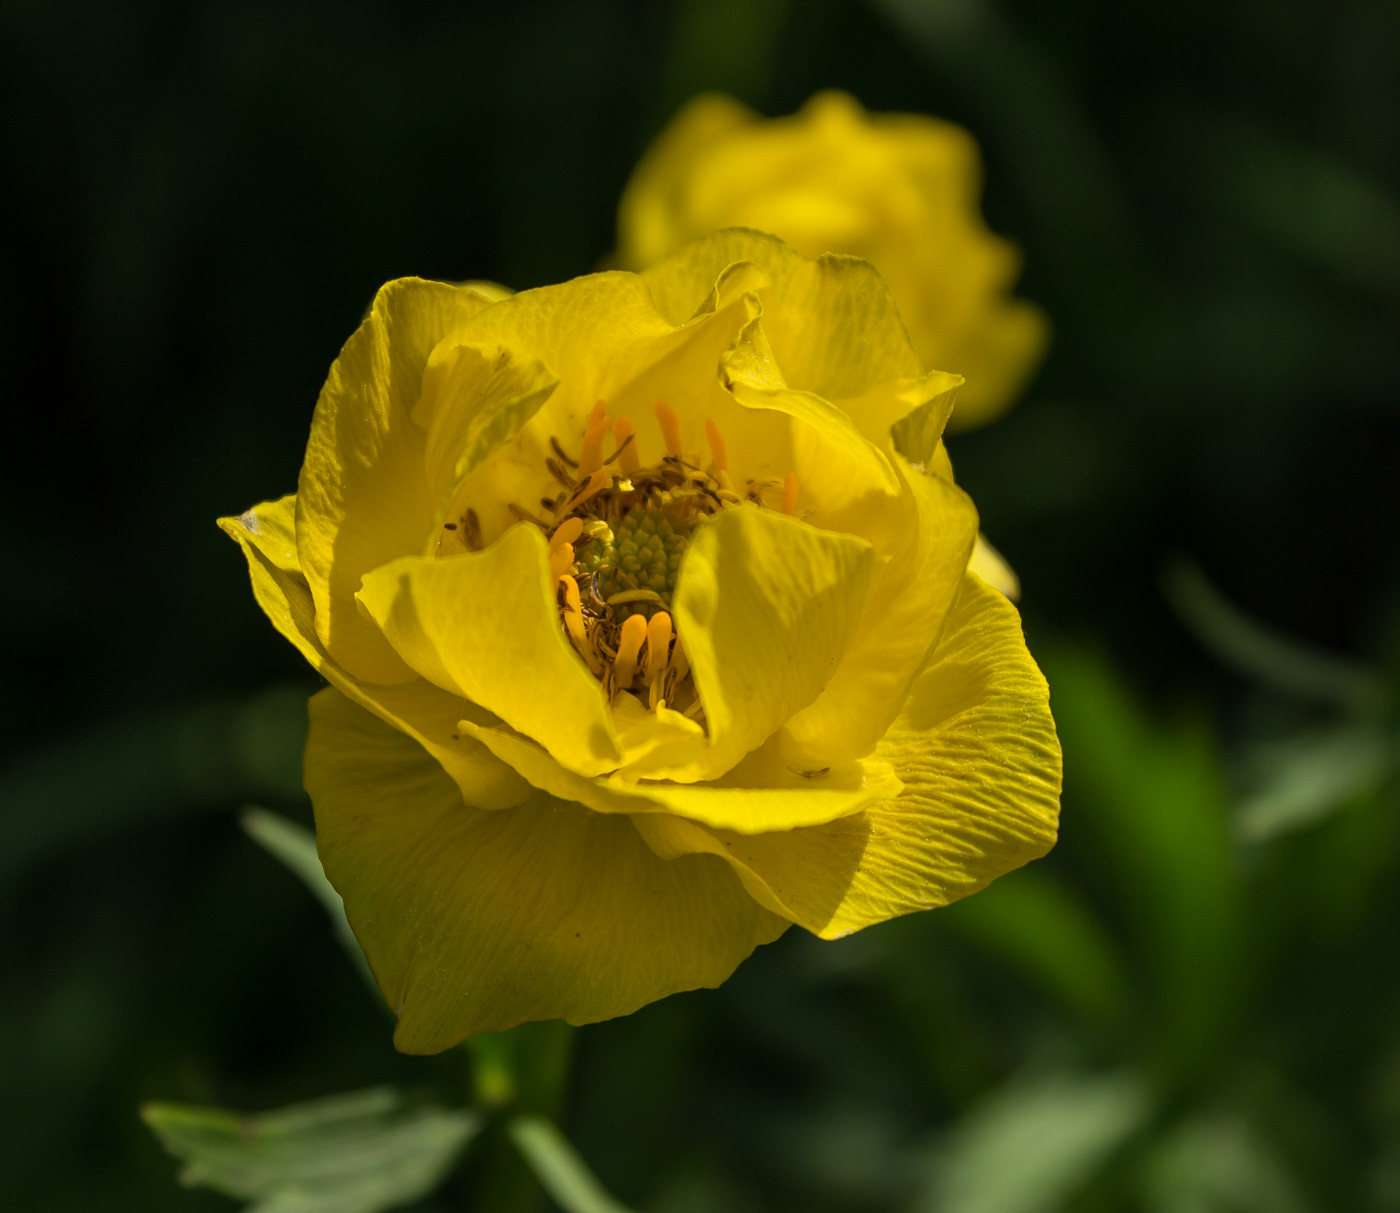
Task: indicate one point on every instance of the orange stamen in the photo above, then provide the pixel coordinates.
(717, 448)
(561, 560)
(567, 531)
(573, 622)
(629, 645)
(593, 484)
(627, 459)
(658, 647)
(591, 457)
(790, 493)
(670, 429)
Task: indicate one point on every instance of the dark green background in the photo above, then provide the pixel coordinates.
(200, 199)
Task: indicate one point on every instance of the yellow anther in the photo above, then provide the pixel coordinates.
(717, 449)
(629, 645)
(561, 560)
(567, 531)
(627, 459)
(591, 457)
(670, 429)
(658, 647)
(593, 484)
(790, 493)
(573, 623)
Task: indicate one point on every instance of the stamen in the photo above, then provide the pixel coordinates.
(680, 663)
(626, 453)
(670, 429)
(567, 531)
(790, 493)
(594, 484)
(556, 469)
(561, 560)
(629, 645)
(471, 530)
(559, 450)
(573, 622)
(591, 457)
(717, 448)
(658, 654)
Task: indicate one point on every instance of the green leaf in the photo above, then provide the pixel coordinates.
(1304, 778)
(561, 1172)
(1031, 1146)
(1262, 654)
(355, 1153)
(1218, 1162)
(295, 846)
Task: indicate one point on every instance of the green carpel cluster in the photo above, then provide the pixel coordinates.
(642, 552)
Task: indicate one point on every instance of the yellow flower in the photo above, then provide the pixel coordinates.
(644, 642)
(898, 189)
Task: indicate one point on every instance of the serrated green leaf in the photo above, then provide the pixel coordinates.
(561, 1172)
(295, 846)
(355, 1153)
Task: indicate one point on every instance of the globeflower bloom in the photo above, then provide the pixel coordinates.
(900, 190)
(649, 633)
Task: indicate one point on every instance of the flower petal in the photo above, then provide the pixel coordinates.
(485, 626)
(762, 793)
(418, 709)
(765, 605)
(831, 322)
(475, 921)
(906, 614)
(977, 751)
(363, 497)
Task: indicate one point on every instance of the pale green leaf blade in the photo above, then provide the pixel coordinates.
(356, 1153)
(561, 1172)
(295, 846)
(1032, 1145)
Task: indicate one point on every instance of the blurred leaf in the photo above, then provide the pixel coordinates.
(130, 772)
(1260, 653)
(1033, 921)
(560, 1170)
(1218, 1164)
(1154, 802)
(355, 1153)
(295, 846)
(1305, 777)
(1032, 1145)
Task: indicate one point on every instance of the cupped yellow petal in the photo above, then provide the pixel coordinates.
(906, 615)
(266, 535)
(765, 605)
(763, 792)
(475, 921)
(976, 748)
(832, 323)
(485, 626)
(363, 497)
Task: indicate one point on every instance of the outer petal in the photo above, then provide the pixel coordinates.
(484, 625)
(422, 711)
(762, 793)
(363, 497)
(977, 751)
(765, 605)
(906, 614)
(474, 921)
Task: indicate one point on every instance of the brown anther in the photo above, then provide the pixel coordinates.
(587, 489)
(629, 645)
(556, 469)
(471, 530)
(717, 447)
(670, 429)
(559, 450)
(790, 493)
(524, 515)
